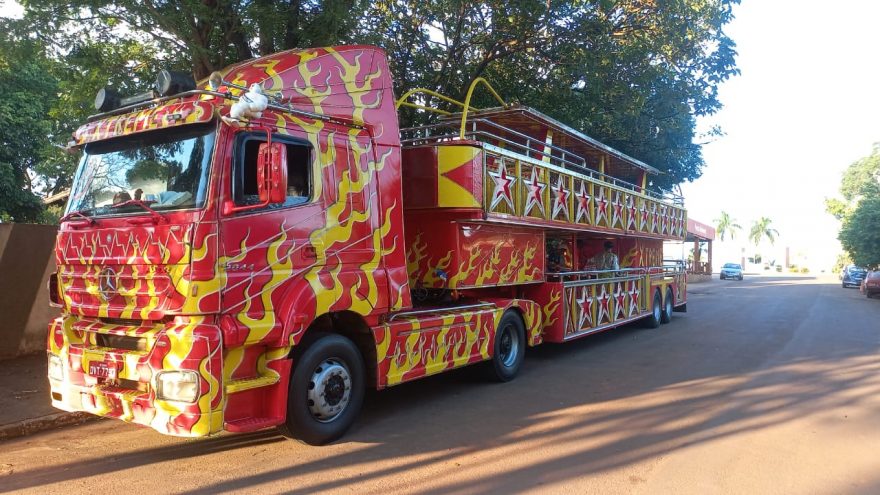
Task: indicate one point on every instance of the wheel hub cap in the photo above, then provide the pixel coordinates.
(509, 347)
(329, 390)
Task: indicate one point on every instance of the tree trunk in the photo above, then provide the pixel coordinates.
(292, 30)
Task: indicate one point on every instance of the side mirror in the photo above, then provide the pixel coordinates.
(272, 173)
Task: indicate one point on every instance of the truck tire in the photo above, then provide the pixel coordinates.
(509, 349)
(326, 390)
(654, 318)
(666, 315)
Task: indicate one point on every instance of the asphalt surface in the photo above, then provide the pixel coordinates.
(770, 385)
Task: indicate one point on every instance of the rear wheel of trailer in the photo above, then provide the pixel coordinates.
(656, 316)
(666, 316)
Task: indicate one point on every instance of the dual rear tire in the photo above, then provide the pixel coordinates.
(666, 315)
(661, 309)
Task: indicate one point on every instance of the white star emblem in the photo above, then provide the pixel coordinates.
(583, 205)
(503, 187)
(585, 306)
(560, 200)
(535, 196)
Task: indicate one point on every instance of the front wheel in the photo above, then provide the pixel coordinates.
(655, 318)
(509, 348)
(326, 390)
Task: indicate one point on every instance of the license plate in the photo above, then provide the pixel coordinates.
(102, 370)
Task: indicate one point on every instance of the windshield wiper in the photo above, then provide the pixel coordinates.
(155, 215)
(78, 214)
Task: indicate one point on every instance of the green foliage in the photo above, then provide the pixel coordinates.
(859, 212)
(843, 259)
(860, 180)
(24, 140)
(630, 73)
(862, 177)
(761, 229)
(837, 208)
(194, 34)
(860, 234)
(726, 224)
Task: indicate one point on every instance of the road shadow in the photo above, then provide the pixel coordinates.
(609, 391)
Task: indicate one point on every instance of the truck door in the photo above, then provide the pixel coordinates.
(266, 252)
(353, 274)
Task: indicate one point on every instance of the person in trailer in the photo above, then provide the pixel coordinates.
(606, 260)
(559, 258)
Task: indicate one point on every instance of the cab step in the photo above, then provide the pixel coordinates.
(236, 386)
(251, 424)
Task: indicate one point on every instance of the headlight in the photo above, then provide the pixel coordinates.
(56, 368)
(179, 386)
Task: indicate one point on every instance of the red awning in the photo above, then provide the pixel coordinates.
(700, 231)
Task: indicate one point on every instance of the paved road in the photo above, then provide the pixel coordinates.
(771, 385)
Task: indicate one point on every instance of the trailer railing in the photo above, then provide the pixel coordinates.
(498, 135)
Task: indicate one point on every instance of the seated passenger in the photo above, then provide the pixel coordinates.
(606, 260)
(296, 190)
(558, 256)
(121, 197)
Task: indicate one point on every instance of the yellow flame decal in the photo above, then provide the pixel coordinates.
(551, 307)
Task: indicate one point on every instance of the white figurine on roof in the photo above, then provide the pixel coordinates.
(251, 104)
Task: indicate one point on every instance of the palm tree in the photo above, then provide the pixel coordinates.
(727, 225)
(761, 229)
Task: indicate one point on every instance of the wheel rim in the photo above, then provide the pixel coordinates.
(668, 304)
(508, 347)
(329, 390)
(657, 309)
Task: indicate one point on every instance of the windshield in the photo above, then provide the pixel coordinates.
(732, 265)
(167, 169)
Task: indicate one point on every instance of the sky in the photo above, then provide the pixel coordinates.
(806, 105)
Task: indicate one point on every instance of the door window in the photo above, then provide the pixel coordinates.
(299, 166)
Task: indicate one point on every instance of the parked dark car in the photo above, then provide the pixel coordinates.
(853, 276)
(732, 270)
(871, 283)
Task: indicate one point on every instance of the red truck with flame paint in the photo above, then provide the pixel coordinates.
(255, 250)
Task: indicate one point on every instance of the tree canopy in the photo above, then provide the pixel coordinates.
(761, 229)
(860, 211)
(727, 225)
(25, 139)
(635, 74)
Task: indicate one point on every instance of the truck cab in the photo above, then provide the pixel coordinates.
(184, 288)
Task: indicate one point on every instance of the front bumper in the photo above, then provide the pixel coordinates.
(110, 370)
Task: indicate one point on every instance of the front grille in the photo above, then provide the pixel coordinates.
(127, 322)
(123, 342)
(132, 385)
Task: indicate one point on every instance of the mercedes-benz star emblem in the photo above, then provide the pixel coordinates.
(108, 283)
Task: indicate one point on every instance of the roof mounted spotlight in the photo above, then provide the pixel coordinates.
(170, 82)
(215, 80)
(107, 99)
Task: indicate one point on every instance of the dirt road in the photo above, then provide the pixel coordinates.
(770, 385)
